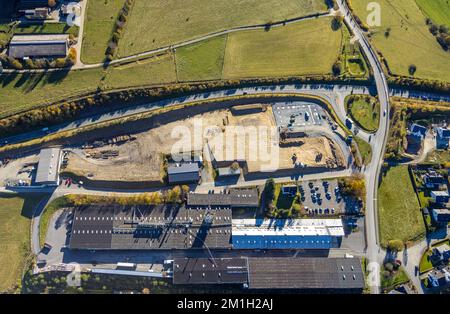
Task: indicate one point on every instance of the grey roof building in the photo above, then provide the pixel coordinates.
(51, 46)
(115, 227)
(264, 273)
(48, 167)
(209, 271)
(306, 273)
(184, 173)
(233, 198)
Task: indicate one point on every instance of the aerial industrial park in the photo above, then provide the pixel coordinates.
(224, 147)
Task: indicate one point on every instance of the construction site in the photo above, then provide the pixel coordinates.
(247, 134)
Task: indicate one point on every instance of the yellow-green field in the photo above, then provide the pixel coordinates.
(99, 21)
(307, 47)
(409, 41)
(437, 10)
(159, 23)
(15, 215)
(201, 61)
(22, 92)
(398, 208)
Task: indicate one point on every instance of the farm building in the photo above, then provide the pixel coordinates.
(183, 173)
(48, 167)
(442, 138)
(34, 46)
(233, 198)
(305, 274)
(287, 233)
(115, 227)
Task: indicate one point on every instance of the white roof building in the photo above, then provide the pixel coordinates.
(48, 166)
(286, 233)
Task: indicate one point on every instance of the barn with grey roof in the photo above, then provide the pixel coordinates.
(39, 46)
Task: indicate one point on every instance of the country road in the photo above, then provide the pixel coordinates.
(334, 94)
(378, 144)
(81, 66)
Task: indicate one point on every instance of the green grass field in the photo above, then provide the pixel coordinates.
(365, 111)
(22, 92)
(201, 61)
(47, 28)
(436, 10)
(201, 17)
(15, 215)
(98, 26)
(155, 70)
(307, 47)
(398, 208)
(409, 42)
(365, 150)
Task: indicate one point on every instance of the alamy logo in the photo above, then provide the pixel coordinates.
(74, 278)
(374, 17)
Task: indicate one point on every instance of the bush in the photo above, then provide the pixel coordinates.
(395, 245)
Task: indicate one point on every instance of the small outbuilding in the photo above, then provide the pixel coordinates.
(184, 173)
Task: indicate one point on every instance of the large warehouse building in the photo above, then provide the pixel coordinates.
(109, 227)
(38, 46)
(287, 233)
(329, 275)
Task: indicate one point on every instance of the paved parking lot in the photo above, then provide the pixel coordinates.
(323, 198)
(298, 114)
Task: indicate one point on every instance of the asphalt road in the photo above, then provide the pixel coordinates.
(333, 94)
(378, 145)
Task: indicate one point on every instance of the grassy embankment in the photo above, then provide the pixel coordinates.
(15, 217)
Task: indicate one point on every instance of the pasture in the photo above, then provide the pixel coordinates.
(21, 92)
(306, 47)
(404, 39)
(201, 61)
(100, 17)
(159, 23)
(437, 10)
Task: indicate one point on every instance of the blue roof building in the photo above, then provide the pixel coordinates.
(287, 233)
(417, 131)
(442, 138)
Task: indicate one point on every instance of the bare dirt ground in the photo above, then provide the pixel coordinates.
(18, 169)
(141, 159)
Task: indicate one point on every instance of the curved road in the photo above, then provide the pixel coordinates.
(372, 172)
